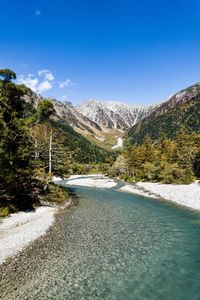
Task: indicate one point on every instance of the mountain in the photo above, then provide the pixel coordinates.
(79, 122)
(100, 122)
(68, 125)
(79, 148)
(66, 111)
(103, 137)
(113, 115)
(103, 123)
(181, 111)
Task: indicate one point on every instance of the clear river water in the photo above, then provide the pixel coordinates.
(113, 245)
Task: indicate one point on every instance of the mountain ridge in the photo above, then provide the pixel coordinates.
(104, 122)
(113, 114)
(180, 111)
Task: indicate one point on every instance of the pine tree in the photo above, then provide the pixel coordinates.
(15, 145)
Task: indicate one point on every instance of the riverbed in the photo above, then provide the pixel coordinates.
(113, 245)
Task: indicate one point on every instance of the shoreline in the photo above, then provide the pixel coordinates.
(187, 196)
(20, 229)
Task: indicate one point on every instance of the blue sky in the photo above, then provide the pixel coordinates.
(138, 52)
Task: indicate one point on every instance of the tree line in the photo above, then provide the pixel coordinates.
(164, 160)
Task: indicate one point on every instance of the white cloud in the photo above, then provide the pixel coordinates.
(44, 82)
(29, 81)
(46, 74)
(37, 13)
(66, 83)
(36, 84)
(44, 86)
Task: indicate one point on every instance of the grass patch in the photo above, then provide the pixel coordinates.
(56, 194)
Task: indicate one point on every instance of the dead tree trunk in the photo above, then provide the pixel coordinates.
(50, 152)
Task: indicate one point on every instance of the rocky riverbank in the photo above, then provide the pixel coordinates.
(184, 195)
(20, 229)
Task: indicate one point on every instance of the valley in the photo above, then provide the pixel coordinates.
(100, 150)
(104, 122)
(90, 231)
(101, 122)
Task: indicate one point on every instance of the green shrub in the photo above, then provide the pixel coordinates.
(4, 212)
(174, 174)
(56, 194)
(187, 177)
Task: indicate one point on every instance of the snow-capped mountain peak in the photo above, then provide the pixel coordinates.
(113, 114)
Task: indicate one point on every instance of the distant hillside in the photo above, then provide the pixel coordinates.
(86, 127)
(82, 150)
(67, 121)
(181, 111)
(104, 138)
(67, 112)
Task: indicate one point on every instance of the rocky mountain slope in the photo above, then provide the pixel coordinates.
(101, 122)
(105, 123)
(182, 110)
(103, 137)
(67, 112)
(67, 123)
(114, 115)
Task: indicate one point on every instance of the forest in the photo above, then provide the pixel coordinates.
(171, 161)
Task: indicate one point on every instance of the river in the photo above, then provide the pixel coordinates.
(113, 245)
